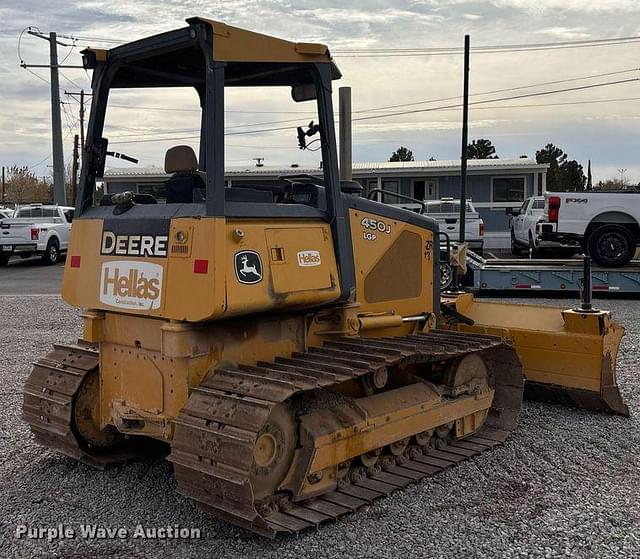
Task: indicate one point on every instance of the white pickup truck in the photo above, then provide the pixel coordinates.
(446, 212)
(36, 229)
(604, 224)
(526, 223)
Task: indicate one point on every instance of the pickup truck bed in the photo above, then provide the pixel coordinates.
(603, 223)
(36, 230)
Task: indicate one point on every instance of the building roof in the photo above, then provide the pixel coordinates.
(444, 166)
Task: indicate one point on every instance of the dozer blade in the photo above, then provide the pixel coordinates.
(568, 356)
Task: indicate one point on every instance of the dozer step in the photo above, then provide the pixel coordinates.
(223, 418)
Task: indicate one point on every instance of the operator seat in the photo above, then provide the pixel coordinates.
(185, 182)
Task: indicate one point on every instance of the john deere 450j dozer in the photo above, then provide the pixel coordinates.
(288, 340)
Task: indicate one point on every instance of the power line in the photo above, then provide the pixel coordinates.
(417, 51)
(523, 96)
(489, 49)
(387, 107)
(503, 90)
(400, 113)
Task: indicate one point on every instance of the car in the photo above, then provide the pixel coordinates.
(36, 229)
(526, 227)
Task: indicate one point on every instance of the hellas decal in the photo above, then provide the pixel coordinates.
(128, 284)
(309, 258)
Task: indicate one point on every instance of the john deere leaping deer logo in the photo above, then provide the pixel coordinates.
(248, 267)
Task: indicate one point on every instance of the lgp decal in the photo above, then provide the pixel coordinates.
(309, 258)
(248, 267)
(128, 284)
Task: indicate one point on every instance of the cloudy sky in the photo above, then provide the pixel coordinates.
(601, 124)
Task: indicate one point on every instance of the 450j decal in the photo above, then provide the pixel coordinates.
(374, 225)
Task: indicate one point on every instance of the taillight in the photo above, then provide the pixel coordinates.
(35, 234)
(481, 228)
(554, 208)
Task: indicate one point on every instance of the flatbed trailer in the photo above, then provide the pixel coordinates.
(560, 275)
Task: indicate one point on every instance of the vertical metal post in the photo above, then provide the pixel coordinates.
(2, 198)
(74, 169)
(465, 141)
(81, 126)
(346, 161)
(455, 282)
(586, 304)
(59, 195)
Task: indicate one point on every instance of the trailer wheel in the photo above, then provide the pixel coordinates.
(611, 245)
(4, 259)
(446, 275)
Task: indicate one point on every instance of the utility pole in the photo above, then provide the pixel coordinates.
(74, 171)
(2, 198)
(346, 160)
(59, 195)
(622, 172)
(455, 283)
(465, 141)
(80, 99)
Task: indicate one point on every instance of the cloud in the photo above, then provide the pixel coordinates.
(607, 129)
(567, 33)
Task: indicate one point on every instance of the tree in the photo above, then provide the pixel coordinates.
(402, 154)
(563, 174)
(22, 186)
(481, 149)
(573, 177)
(610, 184)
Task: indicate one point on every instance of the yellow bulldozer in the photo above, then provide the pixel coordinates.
(286, 340)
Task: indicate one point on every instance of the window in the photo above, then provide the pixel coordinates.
(448, 207)
(507, 189)
(390, 186)
(50, 212)
(68, 214)
(425, 189)
(538, 205)
(523, 208)
(371, 185)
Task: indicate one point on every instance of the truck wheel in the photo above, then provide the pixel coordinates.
(52, 252)
(533, 250)
(515, 247)
(4, 259)
(611, 245)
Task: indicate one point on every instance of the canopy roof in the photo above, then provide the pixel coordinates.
(233, 44)
(253, 59)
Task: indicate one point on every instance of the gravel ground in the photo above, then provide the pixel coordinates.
(566, 484)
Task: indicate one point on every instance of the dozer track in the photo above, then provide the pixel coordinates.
(50, 395)
(213, 445)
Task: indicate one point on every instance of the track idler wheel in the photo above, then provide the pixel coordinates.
(467, 374)
(86, 417)
(273, 452)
